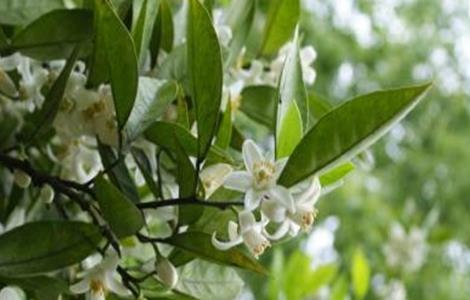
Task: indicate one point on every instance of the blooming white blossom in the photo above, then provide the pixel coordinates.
(250, 233)
(259, 181)
(406, 250)
(166, 273)
(307, 57)
(12, 293)
(100, 279)
(214, 176)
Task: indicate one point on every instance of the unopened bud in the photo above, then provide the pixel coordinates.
(166, 273)
(21, 178)
(47, 194)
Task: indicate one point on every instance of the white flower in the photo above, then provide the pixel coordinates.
(46, 194)
(306, 195)
(406, 250)
(22, 179)
(251, 233)
(259, 181)
(7, 86)
(307, 57)
(166, 273)
(11, 293)
(100, 279)
(16, 218)
(213, 177)
(33, 77)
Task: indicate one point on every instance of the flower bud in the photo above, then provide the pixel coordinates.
(166, 273)
(47, 194)
(21, 178)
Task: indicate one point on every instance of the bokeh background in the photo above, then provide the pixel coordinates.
(398, 226)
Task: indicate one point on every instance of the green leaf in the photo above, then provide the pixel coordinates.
(21, 12)
(204, 280)
(46, 246)
(289, 131)
(54, 35)
(161, 134)
(145, 13)
(205, 65)
(123, 217)
(200, 244)
(318, 106)
(340, 288)
(187, 181)
(336, 174)
(292, 110)
(360, 274)
(44, 117)
(152, 99)
(259, 103)
(224, 134)
(282, 18)
(163, 32)
(145, 168)
(115, 53)
(44, 287)
(348, 129)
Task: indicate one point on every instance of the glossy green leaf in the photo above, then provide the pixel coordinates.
(289, 132)
(348, 129)
(318, 106)
(163, 31)
(205, 280)
(43, 287)
(259, 103)
(205, 69)
(200, 244)
(144, 14)
(115, 54)
(44, 117)
(46, 246)
(54, 35)
(360, 274)
(152, 99)
(123, 217)
(224, 134)
(21, 12)
(282, 18)
(161, 134)
(336, 174)
(144, 165)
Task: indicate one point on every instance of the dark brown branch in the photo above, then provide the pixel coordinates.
(187, 201)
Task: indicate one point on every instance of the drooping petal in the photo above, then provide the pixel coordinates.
(252, 200)
(311, 194)
(232, 230)
(255, 241)
(251, 154)
(273, 211)
(115, 285)
(280, 232)
(239, 181)
(81, 287)
(214, 176)
(281, 195)
(246, 220)
(225, 245)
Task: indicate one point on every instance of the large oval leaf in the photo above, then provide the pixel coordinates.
(122, 215)
(46, 246)
(21, 12)
(348, 129)
(54, 35)
(115, 55)
(259, 103)
(205, 66)
(199, 244)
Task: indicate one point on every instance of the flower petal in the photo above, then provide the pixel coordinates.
(280, 232)
(115, 285)
(225, 245)
(81, 287)
(246, 220)
(251, 154)
(311, 194)
(281, 195)
(252, 200)
(238, 181)
(280, 164)
(273, 211)
(232, 230)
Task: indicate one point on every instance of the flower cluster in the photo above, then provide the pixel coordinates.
(290, 209)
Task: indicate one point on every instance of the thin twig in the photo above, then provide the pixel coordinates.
(187, 201)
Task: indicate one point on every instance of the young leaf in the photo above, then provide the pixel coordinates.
(145, 168)
(152, 99)
(348, 129)
(205, 66)
(145, 13)
(259, 103)
(46, 246)
(224, 135)
(123, 217)
(282, 18)
(292, 109)
(54, 35)
(21, 12)
(360, 274)
(200, 244)
(336, 174)
(114, 54)
(163, 32)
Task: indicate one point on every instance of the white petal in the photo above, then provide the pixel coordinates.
(251, 154)
(246, 220)
(311, 194)
(225, 245)
(252, 200)
(238, 181)
(309, 75)
(273, 211)
(115, 285)
(167, 273)
(280, 164)
(232, 230)
(81, 287)
(111, 261)
(308, 55)
(280, 232)
(282, 196)
(11, 293)
(214, 176)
